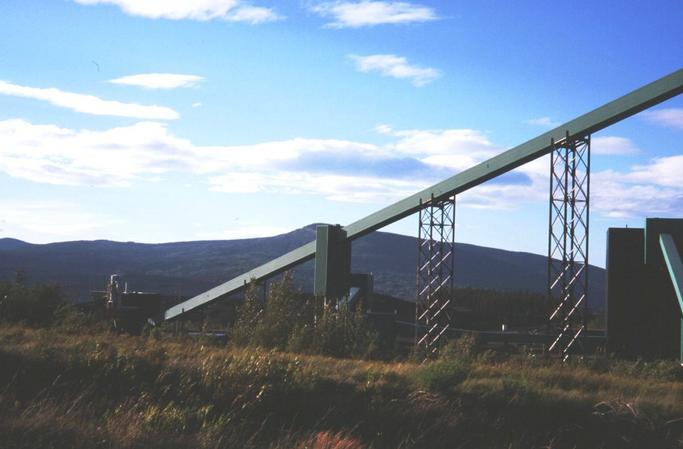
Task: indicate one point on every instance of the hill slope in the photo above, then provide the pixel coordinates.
(188, 268)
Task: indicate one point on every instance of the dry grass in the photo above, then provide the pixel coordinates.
(64, 390)
(330, 440)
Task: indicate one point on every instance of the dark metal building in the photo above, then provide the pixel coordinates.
(643, 314)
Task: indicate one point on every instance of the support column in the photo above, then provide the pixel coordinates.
(332, 273)
(435, 269)
(568, 243)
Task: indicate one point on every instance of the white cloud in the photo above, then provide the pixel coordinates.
(457, 149)
(612, 146)
(621, 195)
(196, 104)
(644, 189)
(114, 157)
(201, 10)
(159, 80)
(88, 104)
(48, 220)
(244, 231)
(542, 121)
(395, 67)
(383, 129)
(339, 170)
(346, 14)
(665, 171)
(671, 117)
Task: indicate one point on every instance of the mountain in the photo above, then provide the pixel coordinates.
(10, 244)
(188, 268)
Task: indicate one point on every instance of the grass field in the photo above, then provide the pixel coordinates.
(100, 390)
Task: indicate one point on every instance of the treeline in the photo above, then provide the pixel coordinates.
(288, 319)
(39, 305)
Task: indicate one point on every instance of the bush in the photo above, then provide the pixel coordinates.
(69, 318)
(467, 346)
(343, 333)
(271, 323)
(290, 320)
(442, 375)
(283, 311)
(248, 314)
(453, 365)
(35, 305)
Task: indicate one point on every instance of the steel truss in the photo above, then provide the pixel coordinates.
(568, 243)
(435, 267)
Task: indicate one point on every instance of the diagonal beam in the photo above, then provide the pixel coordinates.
(595, 120)
(673, 264)
(602, 117)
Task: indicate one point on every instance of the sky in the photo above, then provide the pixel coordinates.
(157, 121)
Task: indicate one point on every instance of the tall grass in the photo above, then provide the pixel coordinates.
(63, 390)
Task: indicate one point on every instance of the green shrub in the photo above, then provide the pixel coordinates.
(659, 369)
(33, 305)
(69, 318)
(248, 314)
(466, 346)
(283, 311)
(290, 320)
(442, 375)
(343, 332)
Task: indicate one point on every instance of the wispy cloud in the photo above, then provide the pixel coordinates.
(667, 171)
(49, 220)
(112, 157)
(395, 67)
(204, 10)
(546, 122)
(615, 194)
(346, 14)
(88, 104)
(671, 117)
(338, 170)
(613, 146)
(383, 128)
(159, 80)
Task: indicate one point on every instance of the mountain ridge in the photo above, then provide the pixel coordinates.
(190, 267)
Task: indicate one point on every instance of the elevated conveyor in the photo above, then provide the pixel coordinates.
(602, 117)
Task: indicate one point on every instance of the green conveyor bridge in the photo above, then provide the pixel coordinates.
(586, 124)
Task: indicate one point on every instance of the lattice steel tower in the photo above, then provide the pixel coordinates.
(435, 267)
(568, 243)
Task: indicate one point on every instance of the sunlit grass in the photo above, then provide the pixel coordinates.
(62, 390)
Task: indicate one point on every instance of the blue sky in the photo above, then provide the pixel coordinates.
(179, 120)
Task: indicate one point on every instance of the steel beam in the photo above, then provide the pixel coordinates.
(675, 268)
(602, 117)
(673, 264)
(595, 120)
(272, 268)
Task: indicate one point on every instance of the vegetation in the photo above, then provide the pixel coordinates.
(32, 305)
(68, 383)
(40, 305)
(64, 390)
(290, 320)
